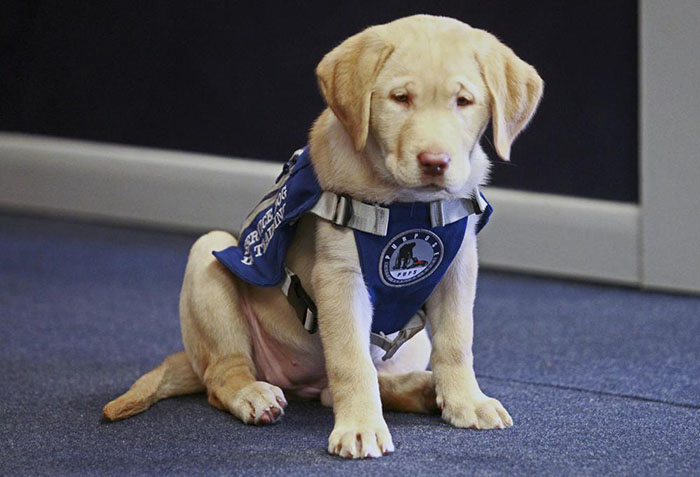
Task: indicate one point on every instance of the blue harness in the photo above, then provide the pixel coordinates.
(404, 248)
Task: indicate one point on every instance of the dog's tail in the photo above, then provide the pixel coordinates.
(174, 377)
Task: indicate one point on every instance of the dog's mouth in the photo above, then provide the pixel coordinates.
(431, 188)
(434, 184)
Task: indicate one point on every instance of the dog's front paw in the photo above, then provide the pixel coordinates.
(477, 413)
(361, 440)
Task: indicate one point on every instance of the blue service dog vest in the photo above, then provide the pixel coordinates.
(401, 265)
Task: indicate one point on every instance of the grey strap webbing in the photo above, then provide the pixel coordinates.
(415, 325)
(374, 219)
(348, 212)
(445, 212)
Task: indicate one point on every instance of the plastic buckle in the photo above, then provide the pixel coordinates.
(477, 206)
(437, 214)
(291, 162)
(343, 211)
(303, 305)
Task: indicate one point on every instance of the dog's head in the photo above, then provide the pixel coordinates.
(415, 96)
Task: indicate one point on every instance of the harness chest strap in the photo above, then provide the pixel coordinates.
(412, 328)
(348, 212)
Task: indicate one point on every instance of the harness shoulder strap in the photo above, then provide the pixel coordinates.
(374, 219)
(445, 212)
(348, 212)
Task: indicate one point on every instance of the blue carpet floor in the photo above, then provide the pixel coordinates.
(599, 380)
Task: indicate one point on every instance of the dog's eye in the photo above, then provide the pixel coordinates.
(400, 97)
(463, 101)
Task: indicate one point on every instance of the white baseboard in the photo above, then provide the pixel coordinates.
(129, 184)
(530, 232)
(566, 236)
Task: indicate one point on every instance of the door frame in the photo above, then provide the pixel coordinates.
(669, 132)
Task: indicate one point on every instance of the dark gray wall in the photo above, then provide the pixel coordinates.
(237, 79)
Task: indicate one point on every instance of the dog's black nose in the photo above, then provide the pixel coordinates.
(434, 163)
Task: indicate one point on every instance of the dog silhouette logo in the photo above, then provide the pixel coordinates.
(410, 257)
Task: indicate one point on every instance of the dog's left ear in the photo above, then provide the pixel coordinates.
(515, 89)
(346, 77)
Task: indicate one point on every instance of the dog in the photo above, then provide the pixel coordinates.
(408, 102)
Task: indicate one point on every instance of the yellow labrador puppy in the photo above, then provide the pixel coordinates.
(407, 104)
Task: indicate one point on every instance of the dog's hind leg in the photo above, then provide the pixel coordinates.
(217, 338)
(174, 377)
(408, 392)
(404, 384)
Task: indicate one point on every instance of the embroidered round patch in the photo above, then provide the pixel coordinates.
(410, 257)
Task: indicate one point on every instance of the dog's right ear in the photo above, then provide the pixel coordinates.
(346, 77)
